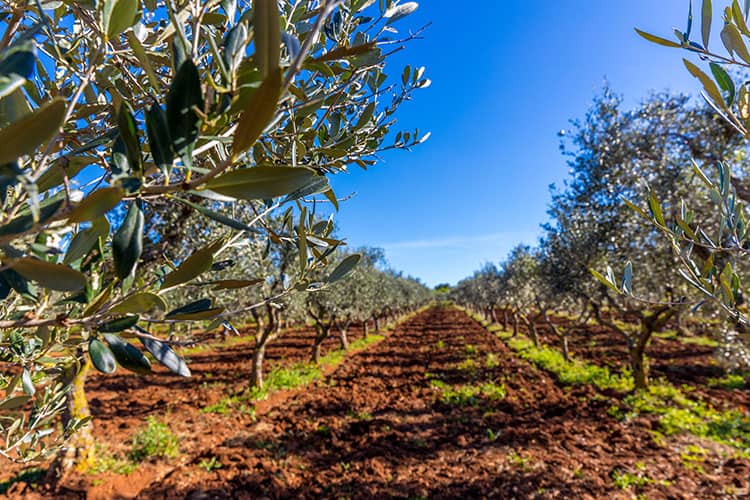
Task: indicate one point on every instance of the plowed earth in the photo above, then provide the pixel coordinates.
(381, 426)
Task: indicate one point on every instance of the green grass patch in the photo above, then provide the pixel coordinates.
(678, 413)
(627, 480)
(572, 372)
(286, 378)
(730, 381)
(106, 461)
(699, 341)
(685, 339)
(468, 394)
(154, 440)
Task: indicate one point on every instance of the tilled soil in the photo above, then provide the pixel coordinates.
(379, 427)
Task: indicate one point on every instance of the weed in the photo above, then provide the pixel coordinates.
(678, 413)
(154, 440)
(210, 465)
(440, 344)
(626, 480)
(731, 381)
(693, 457)
(470, 350)
(491, 361)
(492, 435)
(519, 461)
(700, 341)
(468, 395)
(106, 461)
(467, 365)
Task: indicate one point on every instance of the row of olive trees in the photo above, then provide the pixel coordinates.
(617, 159)
(124, 121)
(370, 294)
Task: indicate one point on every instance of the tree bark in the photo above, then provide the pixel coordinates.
(78, 453)
(343, 339)
(256, 375)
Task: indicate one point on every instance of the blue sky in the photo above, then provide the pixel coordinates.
(507, 77)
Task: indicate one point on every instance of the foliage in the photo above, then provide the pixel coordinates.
(142, 142)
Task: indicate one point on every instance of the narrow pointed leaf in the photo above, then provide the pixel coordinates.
(183, 122)
(119, 324)
(140, 303)
(195, 265)
(118, 15)
(48, 275)
(658, 40)
(344, 268)
(166, 356)
(96, 204)
(260, 110)
(267, 36)
(101, 356)
(158, 137)
(23, 137)
(127, 244)
(127, 355)
(263, 182)
(707, 12)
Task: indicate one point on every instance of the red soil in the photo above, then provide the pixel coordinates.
(376, 427)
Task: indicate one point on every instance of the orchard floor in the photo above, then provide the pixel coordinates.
(439, 409)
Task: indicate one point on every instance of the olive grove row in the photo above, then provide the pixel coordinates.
(658, 192)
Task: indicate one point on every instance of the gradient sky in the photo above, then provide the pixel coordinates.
(507, 77)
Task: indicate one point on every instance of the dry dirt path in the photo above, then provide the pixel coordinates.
(378, 427)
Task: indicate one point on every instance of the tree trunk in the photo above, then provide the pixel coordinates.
(638, 365)
(493, 315)
(343, 339)
(78, 452)
(515, 324)
(256, 375)
(505, 319)
(377, 324)
(316, 353)
(322, 334)
(367, 329)
(532, 332)
(565, 348)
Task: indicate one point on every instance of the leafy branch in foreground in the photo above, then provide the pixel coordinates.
(132, 136)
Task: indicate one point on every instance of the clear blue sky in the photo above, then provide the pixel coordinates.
(507, 77)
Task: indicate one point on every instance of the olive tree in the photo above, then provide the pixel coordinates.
(615, 155)
(710, 246)
(116, 111)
